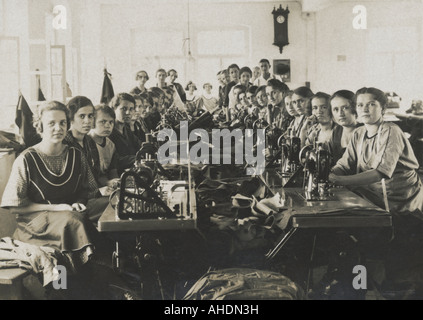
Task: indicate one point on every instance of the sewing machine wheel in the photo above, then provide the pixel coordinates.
(303, 153)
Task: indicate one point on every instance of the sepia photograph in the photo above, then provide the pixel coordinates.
(179, 151)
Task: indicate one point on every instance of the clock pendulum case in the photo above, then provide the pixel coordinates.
(280, 21)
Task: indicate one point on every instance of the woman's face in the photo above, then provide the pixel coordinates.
(208, 89)
(191, 88)
(245, 78)
(234, 74)
(262, 98)
(161, 77)
(251, 99)
(83, 120)
(343, 112)
(369, 110)
(236, 95)
(223, 79)
(104, 124)
(275, 96)
(320, 109)
(256, 73)
(243, 99)
(142, 111)
(54, 124)
(299, 103)
(289, 107)
(124, 112)
(142, 78)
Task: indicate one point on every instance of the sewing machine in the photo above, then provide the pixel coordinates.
(289, 155)
(316, 162)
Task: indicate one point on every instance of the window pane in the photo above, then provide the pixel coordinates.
(157, 44)
(9, 82)
(56, 61)
(221, 42)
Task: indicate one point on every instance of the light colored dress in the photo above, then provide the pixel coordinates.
(390, 153)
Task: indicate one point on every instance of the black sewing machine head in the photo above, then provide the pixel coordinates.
(316, 161)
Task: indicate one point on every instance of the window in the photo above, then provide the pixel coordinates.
(9, 81)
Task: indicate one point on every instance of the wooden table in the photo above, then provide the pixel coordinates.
(109, 223)
(343, 209)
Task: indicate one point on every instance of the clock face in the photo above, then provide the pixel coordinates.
(280, 19)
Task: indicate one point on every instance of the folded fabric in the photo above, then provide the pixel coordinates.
(30, 257)
(241, 201)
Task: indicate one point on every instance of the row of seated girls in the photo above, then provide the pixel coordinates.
(58, 189)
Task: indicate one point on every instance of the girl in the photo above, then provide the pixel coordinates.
(161, 76)
(49, 188)
(379, 150)
(81, 113)
(262, 101)
(142, 78)
(103, 128)
(345, 115)
(208, 101)
(322, 130)
(126, 143)
(301, 101)
(191, 88)
(135, 125)
(296, 124)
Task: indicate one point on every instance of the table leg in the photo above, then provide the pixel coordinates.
(280, 245)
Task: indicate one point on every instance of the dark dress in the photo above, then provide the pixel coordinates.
(43, 179)
(127, 145)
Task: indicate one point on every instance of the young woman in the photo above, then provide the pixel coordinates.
(262, 101)
(103, 128)
(208, 101)
(126, 143)
(321, 111)
(345, 115)
(81, 113)
(142, 78)
(301, 101)
(296, 124)
(379, 150)
(191, 89)
(161, 76)
(49, 188)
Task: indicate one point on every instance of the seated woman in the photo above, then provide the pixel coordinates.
(297, 122)
(49, 188)
(135, 124)
(142, 78)
(254, 108)
(379, 156)
(81, 114)
(126, 143)
(161, 76)
(207, 101)
(156, 108)
(301, 101)
(237, 106)
(103, 128)
(345, 115)
(322, 130)
(143, 105)
(262, 101)
(191, 89)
